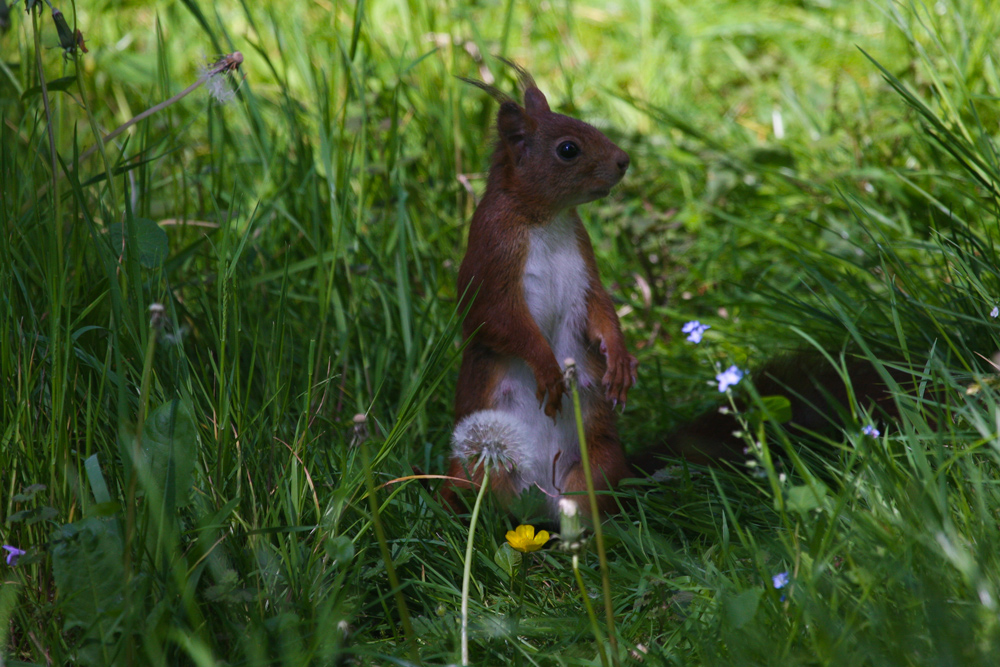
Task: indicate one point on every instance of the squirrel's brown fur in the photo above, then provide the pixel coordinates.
(525, 241)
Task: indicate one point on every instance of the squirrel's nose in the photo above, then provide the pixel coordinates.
(623, 162)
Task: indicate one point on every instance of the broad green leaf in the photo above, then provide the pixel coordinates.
(170, 445)
(34, 515)
(339, 549)
(168, 448)
(151, 241)
(55, 84)
(97, 483)
(10, 592)
(806, 497)
(507, 558)
(43, 513)
(771, 408)
(777, 408)
(740, 609)
(87, 568)
(28, 493)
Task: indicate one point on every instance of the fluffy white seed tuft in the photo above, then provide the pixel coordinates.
(493, 437)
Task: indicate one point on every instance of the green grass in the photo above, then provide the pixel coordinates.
(204, 500)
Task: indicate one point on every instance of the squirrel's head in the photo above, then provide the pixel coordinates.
(551, 160)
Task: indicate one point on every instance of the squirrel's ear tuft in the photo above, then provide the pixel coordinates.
(514, 125)
(535, 102)
(494, 92)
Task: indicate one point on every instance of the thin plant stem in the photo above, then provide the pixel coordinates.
(145, 114)
(520, 602)
(595, 514)
(147, 374)
(225, 64)
(467, 571)
(56, 286)
(594, 625)
(228, 63)
(404, 612)
(45, 104)
(97, 134)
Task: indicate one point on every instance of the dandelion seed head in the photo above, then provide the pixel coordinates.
(219, 88)
(215, 73)
(176, 337)
(491, 437)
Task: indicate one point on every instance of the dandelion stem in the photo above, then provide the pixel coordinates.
(467, 571)
(224, 64)
(594, 625)
(595, 514)
(227, 63)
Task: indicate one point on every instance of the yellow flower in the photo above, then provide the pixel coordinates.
(524, 539)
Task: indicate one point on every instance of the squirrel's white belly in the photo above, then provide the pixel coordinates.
(555, 285)
(555, 288)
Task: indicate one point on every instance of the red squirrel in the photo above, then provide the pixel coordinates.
(535, 298)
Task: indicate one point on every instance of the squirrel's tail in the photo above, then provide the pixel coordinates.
(818, 395)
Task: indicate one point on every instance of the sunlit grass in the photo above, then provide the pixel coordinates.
(802, 174)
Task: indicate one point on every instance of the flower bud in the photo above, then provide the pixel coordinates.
(570, 525)
(156, 311)
(67, 40)
(569, 371)
(360, 429)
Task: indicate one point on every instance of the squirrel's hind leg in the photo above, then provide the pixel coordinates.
(607, 461)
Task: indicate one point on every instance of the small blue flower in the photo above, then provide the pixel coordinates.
(13, 554)
(695, 329)
(780, 580)
(729, 377)
(995, 312)
(871, 431)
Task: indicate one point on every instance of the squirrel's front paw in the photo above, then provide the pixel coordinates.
(620, 375)
(550, 390)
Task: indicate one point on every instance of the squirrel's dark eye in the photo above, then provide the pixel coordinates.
(567, 150)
